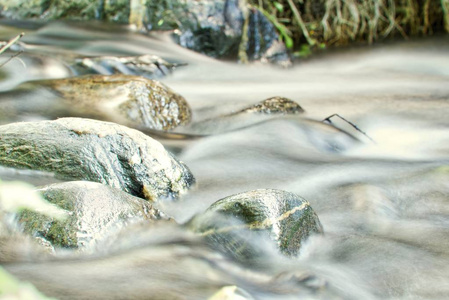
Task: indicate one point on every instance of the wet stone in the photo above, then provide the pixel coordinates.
(95, 212)
(217, 29)
(267, 109)
(275, 105)
(233, 222)
(125, 99)
(150, 66)
(84, 149)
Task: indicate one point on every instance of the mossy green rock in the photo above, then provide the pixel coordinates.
(95, 211)
(231, 223)
(84, 149)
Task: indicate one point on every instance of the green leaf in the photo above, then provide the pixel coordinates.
(288, 41)
(161, 21)
(283, 31)
(278, 6)
(305, 51)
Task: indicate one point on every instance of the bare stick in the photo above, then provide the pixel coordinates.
(9, 59)
(301, 23)
(11, 42)
(328, 119)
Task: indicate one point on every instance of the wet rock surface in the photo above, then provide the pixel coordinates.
(221, 29)
(95, 212)
(217, 29)
(149, 66)
(125, 99)
(83, 149)
(233, 222)
(274, 105)
(267, 109)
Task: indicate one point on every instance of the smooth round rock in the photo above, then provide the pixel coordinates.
(84, 149)
(95, 212)
(124, 99)
(230, 223)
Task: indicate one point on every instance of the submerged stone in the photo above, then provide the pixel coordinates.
(267, 109)
(84, 149)
(234, 223)
(274, 105)
(95, 212)
(150, 66)
(125, 99)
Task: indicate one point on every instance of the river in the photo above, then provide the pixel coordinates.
(383, 204)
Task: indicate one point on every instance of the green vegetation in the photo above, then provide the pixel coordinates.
(322, 23)
(12, 288)
(317, 23)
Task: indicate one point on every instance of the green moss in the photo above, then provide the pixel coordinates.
(60, 233)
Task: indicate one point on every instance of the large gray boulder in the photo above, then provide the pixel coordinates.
(224, 29)
(84, 149)
(228, 29)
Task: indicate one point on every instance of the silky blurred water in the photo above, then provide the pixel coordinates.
(384, 205)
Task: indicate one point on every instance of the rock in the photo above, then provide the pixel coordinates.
(125, 99)
(274, 105)
(83, 149)
(95, 211)
(221, 29)
(14, 244)
(217, 28)
(149, 66)
(232, 222)
(129, 100)
(267, 109)
(112, 10)
(167, 263)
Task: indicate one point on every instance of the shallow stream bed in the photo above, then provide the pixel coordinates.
(384, 205)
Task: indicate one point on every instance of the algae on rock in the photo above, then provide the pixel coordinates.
(95, 212)
(84, 149)
(237, 224)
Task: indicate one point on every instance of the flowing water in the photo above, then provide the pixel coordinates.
(384, 205)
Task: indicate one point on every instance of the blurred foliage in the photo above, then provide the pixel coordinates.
(321, 23)
(16, 196)
(12, 288)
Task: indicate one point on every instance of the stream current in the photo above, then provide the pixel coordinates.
(384, 206)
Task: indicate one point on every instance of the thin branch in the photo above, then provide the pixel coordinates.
(11, 42)
(328, 120)
(12, 57)
(301, 23)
